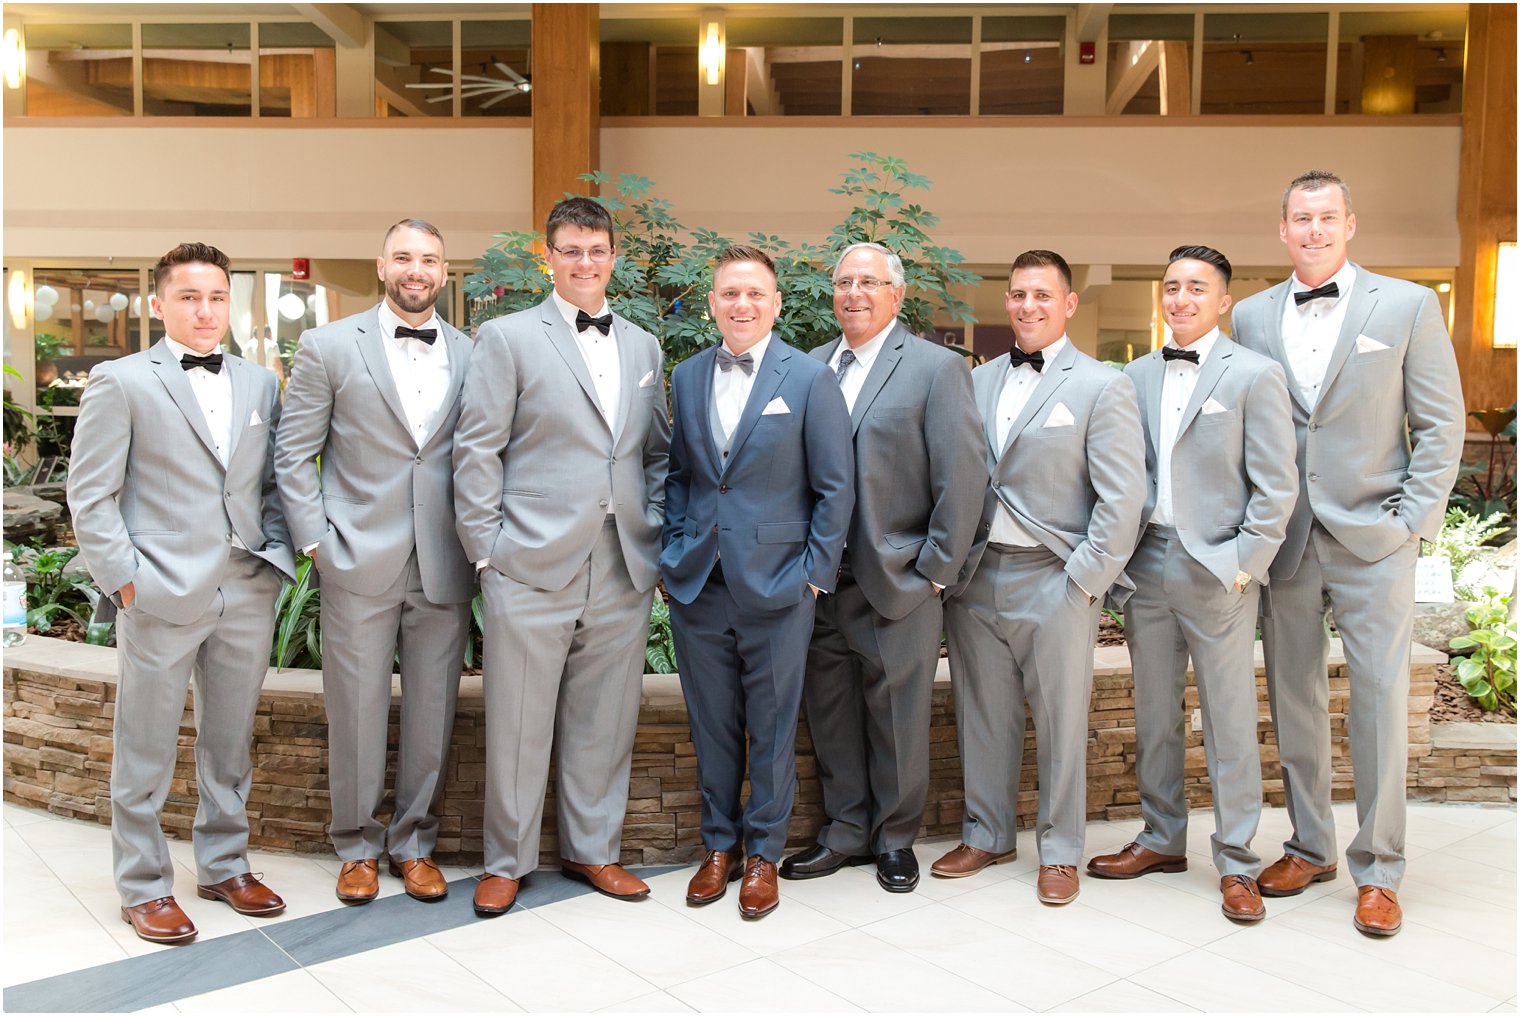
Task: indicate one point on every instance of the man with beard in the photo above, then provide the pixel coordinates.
(375, 398)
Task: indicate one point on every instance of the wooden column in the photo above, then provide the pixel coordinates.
(1485, 202)
(566, 98)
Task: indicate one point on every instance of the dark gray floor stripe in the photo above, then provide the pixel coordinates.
(177, 972)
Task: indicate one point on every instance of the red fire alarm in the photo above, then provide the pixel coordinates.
(300, 268)
(1087, 52)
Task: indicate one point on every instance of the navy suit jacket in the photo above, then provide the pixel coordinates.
(779, 507)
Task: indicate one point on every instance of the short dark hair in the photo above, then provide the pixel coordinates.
(1042, 259)
(1208, 255)
(190, 254)
(420, 225)
(1313, 180)
(583, 212)
(744, 252)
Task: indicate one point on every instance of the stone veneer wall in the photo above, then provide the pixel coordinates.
(59, 699)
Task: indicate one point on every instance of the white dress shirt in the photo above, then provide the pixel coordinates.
(1177, 386)
(1310, 331)
(420, 372)
(214, 394)
(601, 355)
(855, 375)
(731, 389)
(1018, 386)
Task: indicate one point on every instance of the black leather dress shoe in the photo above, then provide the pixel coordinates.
(897, 870)
(816, 862)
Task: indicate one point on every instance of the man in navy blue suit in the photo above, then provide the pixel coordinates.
(757, 503)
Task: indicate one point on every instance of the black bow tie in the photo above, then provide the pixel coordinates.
(1329, 289)
(727, 360)
(1017, 356)
(425, 334)
(602, 324)
(1171, 353)
(213, 362)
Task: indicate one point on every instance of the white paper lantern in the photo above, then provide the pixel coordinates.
(45, 294)
(89, 306)
(137, 306)
(292, 307)
(118, 301)
(104, 313)
(74, 307)
(42, 311)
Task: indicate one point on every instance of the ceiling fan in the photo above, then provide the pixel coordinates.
(473, 86)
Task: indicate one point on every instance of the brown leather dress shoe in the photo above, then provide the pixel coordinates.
(717, 869)
(608, 879)
(245, 894)
(964, 860)
(1057, 884)
(758, 893)
(1377, 911)
(159, 921)
(422, 878)
(494, 894)
(1132, 861)
(1291, 875)
(1242, 899)
(359, 881)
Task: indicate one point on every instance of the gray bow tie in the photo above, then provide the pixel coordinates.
(727, 361)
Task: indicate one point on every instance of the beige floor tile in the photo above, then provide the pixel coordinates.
(758, 986)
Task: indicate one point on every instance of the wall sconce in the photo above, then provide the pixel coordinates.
(1506, 311)
(712, 53)
(13, 58)
(18, 293)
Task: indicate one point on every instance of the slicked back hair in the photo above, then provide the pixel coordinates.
(743, 252)
(190, 254)
(1042, 259)
(1313, 180)
(1207, 255)
(420, 225)
(894, 263)
(582, 212)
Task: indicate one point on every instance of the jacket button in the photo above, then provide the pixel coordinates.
(1313, 477)
(715, 529)
(419, 460)
(1314, 426)
(602, 503)
(722, 488)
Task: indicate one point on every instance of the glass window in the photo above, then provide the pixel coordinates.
(1022, 68)
(297, 71)
(78, 70)
(1264, 63)
(496, 73)
(82, 318)
(291, 306)
(197, 70)
(414, 68)
(786, 66)
(1394, 62)
(649, 66)
(1150, 64)
(911, 67)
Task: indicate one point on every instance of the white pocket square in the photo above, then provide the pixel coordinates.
(254, 420)
(776, 407)
(1059, 417)
(1366, 344)
(1212, 406)
(646, 380)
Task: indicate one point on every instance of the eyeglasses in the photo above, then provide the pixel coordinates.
(598, 255)
(865, 285)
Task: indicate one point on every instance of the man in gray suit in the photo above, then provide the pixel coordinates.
(875, 645)
(374, 398)
(1218, 432)
(171, 487)
(1377, 404)
(1066, 454)
(559, 471)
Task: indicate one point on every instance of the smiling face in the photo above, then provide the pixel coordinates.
(413, 271)
(1039, 305)
(580, 281)
(1193, 299)
(863, 315)
(194, 305)
(1316, 231)
(744, 303)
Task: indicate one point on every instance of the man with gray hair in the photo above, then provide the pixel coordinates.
(919, 482)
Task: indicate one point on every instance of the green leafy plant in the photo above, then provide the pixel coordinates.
(298, 621)
(18, 430)
(1488, 671)
(48, 346)
(1462, 539)
(53, 591)
(660, 653)
(1485, 488)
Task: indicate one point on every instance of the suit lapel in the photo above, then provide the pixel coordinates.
(628, 367)
(701, 410)
(1363, 300)
(173, 376)
(459, 348)
(237, 375)
(1051, 378)
(1209, 376)
(887, 359)
(563, 341)
(372, 350)
(768, 377)
(987, 402)
(1277, 302)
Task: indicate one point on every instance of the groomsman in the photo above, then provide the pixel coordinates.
(171, 487)
(756, 508)
(918, 493)
(1065, 450)
(373, 400)
(1377, 404)
(1218, 435)
(559, 469)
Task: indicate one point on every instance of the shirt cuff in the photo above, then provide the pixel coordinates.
(309, 548)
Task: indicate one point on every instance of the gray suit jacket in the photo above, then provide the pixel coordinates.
(152, 504)
(1233, 478)
(1378, 453)
(919, 478)
(377, 495)
(1078, 488)
(535, 466)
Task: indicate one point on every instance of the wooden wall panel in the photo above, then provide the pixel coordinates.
(566, 101)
